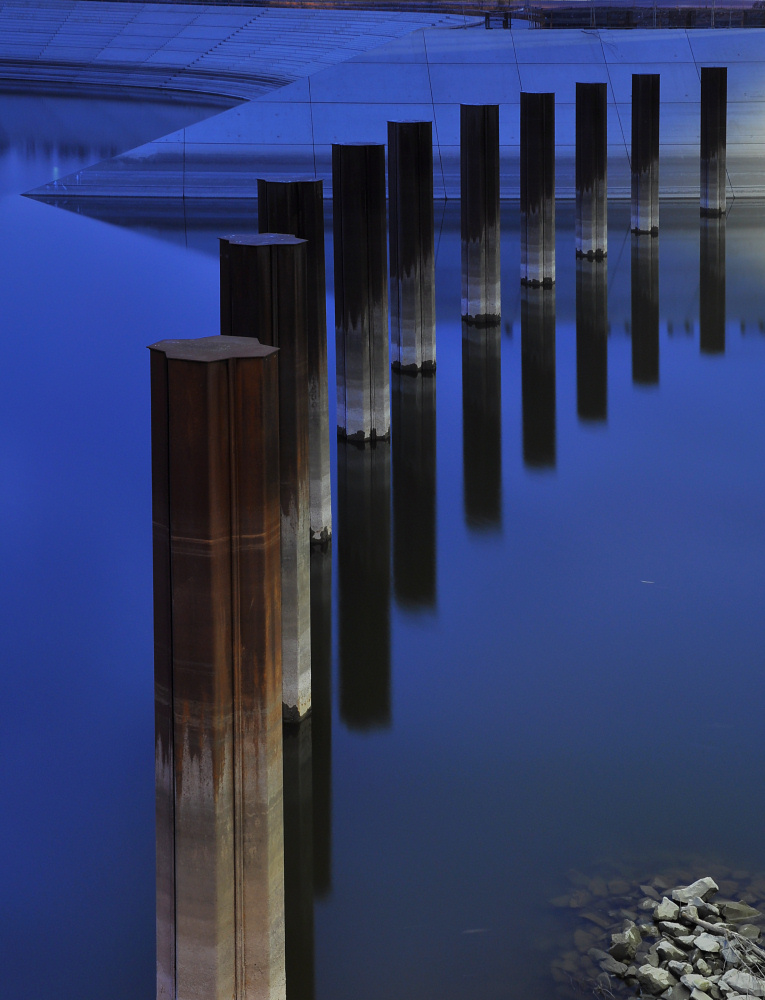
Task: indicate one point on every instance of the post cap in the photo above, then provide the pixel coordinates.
(213, 348)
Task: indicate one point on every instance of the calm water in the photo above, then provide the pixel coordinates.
(558, 664)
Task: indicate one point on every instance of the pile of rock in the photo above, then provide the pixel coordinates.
(683, 946)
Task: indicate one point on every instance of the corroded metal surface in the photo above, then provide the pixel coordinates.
(538, 189)
(263, 296)
(644, 268)
(361, 291)
(482, 425)
(591, 170)
(413, 407)
(538, 377)
(363, 539)
(296, 206)
(644, 164)
(479, 206)
(714, 120)
(592, 339)
(220, 891)
(412, 253)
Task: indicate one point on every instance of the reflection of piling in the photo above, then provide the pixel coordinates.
(714, 101)
(412, 253)
(215, 484)
(645, 153)
(592, 339)
(413, 412)
(712, 286)
(361, 291)
(482, 426)
(538, 189)
(297, 207)
(479, 207)
(321, 716)
(263, 296)
(298, 861)
(538, 377)
(591, 170)
(645, 310)
(363, 539)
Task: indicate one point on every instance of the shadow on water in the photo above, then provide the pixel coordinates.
(712, 286)
(482, 426)
(644, 271)
(538, 376)
(592, 339)
(363, 541)
(413, 417)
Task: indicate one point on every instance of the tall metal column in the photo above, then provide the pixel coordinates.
(263, 296)
(538, 189)
(412, 250)
(479, 207)
(645, 153)
(296, 206)
(714, 120)
(361, 292)
(217, 669)
(591, 170)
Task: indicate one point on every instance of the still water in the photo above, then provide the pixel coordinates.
(551, 658)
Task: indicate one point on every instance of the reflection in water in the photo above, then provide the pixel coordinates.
(592, 338)
(413, 415)
(298, 861)
(712, 286)
(363, 510)
(538, 376)
(321, 716)
(482, 425)
(645, 309)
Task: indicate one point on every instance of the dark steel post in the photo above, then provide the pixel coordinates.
(645, 310)
(712, 286)
(645, 153)
(412, 252)
(591, 170)
(363, 540)
(482, 426)
(538, 377)
(538, 189)
(361, 291)
(218, 749)
(263, 296)
(296, 206)
(413, 406)
(479, 207)
(592, 339)
(714, 101)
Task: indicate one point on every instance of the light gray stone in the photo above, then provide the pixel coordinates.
(748, 931)
(673, 929)
(703, 887)
(610, 965)
(698, 995)
(666, 910)
(708, 943)
(703, 968)
(693, 981)
(668, 950)
(678, 992)
(690, 914)
(744, 982)
(680, 969)
(625, 945)
(737, 912)
(655, 980)
(685, 940)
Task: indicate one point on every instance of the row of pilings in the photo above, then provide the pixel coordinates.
(241, 477)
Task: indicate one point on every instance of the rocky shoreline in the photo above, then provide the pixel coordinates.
(677, 943)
